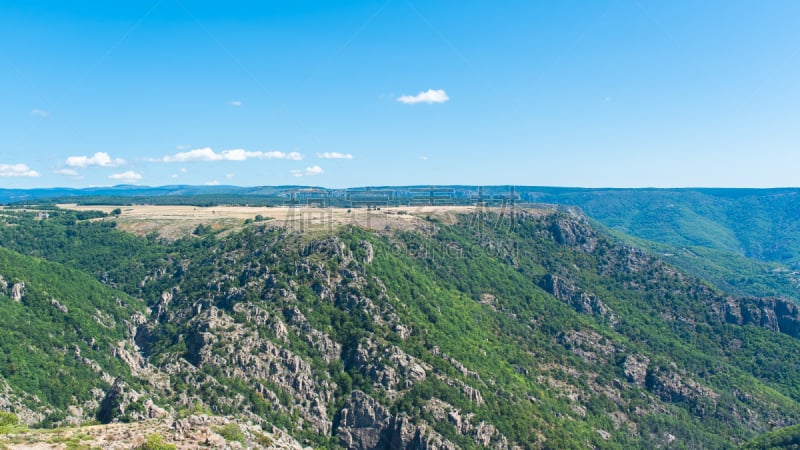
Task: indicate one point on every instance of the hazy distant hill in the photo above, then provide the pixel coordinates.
(746, 241)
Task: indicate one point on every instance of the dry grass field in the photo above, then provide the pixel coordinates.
(172, 222)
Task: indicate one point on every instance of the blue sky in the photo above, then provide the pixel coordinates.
(626, 93)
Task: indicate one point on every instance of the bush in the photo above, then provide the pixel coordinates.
(231, 432)
(156, 442)
(7, 418)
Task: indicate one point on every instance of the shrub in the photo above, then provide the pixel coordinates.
(231, 432)
(155, 441)
(7, 418)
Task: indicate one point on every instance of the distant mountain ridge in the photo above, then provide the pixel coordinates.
(753, 234)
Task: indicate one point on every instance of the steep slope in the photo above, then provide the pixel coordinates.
(59, 330)
(783, 439)
(494, 328)
(756, 223)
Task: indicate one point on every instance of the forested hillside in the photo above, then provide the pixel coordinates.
(58, 329)
(488, 327)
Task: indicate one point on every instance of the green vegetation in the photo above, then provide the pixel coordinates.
(782, 439)
(9, 423)
(62, 317)
(231, 432)
(760, 224)
(473, 303)
(155, 441)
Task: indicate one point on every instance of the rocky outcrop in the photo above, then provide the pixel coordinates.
(18, 291)
(671, 387)
(59, 306)
(117, 401)
(217, 341)
(481, 432)
(774, 314)
(635, 369)
(327, 347)
(590, 346)
(390, 367)
(469, 392)
(365, 424)
(573, 231)
(369, 253)
(21, 405)
(572, 295)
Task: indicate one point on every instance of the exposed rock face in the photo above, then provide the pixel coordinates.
(216, 340)
(18, 404)
(573, 232)
(18, 291)
(672, 387)
(405, 435)
(590, 346)
(572, 295)
(330, 349)
(369, 252)
(481, 432)
(635, 369)
(472, 394)
(59, 306)
(364, 424)
(117, 401)
(774, 314)
(390, 367)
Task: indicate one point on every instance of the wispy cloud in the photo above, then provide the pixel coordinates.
(334, 155)
(207, 154)
(235, 103)
(101, 159)
(212, 183)
(424, 158)
(308, 171)
(40, 113)
(429, 96)
(126, 177)
(17, 170)
(68, 172)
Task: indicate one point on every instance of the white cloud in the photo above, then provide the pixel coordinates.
(69, 172)
(182, 147)
(212, 183)
(235, 103)
(127, 177)
(429, 96)
(334, 155)
(238, 154)
(424, 158)
(308, 171)
(40, 113)
(17, 170)
(230, 176)
(101, 159)
(174, 175)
